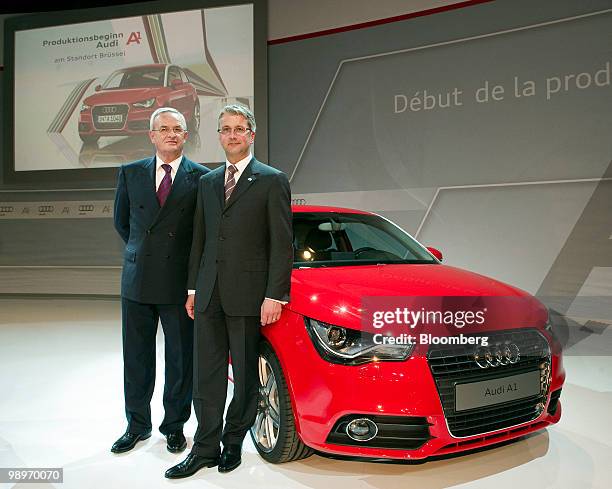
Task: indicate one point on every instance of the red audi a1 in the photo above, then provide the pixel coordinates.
(123, 104)
(334, 381)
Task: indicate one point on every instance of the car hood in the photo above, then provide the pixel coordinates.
(336, 294)
(126, 95)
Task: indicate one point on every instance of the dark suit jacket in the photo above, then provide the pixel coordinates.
(246, 243)
(157, 239)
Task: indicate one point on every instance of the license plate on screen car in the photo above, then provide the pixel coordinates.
(110, 118)
(489, 392)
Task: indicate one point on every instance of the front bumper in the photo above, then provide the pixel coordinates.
(404, 394)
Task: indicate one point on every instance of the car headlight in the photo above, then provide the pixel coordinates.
(85, 107)
(145, 104)
(346, 346)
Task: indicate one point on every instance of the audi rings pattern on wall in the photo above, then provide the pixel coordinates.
(496, 355)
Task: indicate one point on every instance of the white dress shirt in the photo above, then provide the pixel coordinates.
(160, 172)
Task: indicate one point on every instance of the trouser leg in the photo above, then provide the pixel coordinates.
(178, 341)
(139, 327)
(243, 334)
(210, 376)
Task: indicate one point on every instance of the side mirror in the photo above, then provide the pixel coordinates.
(435, 252)
(176, 83)
(98, 87)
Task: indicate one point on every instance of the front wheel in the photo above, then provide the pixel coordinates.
(273, 432)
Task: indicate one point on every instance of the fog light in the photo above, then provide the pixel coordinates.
(362, 429)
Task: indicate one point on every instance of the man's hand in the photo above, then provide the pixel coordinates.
(270, 311)
(189, 305)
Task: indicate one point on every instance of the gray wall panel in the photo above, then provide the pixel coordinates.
(62, 281)
(59, 242)
(512, 234)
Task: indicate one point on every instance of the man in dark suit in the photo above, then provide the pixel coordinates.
(240, 272)
(154, 208)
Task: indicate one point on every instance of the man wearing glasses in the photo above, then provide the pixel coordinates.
(240, 272)
(154, 207)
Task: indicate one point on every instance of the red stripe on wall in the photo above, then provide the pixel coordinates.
(372, 23)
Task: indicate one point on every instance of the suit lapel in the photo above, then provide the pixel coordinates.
(218, 184)
(149, 188)
(246, 180)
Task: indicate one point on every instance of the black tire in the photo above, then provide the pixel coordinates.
(288, 446)
(89, 139)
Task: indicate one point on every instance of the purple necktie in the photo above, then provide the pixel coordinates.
(164, 186)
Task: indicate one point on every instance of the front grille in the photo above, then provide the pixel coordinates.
(109, 117)
(454, 364)
(400, 432)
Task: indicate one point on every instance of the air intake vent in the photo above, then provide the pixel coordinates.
(554, 401)
(401, 432)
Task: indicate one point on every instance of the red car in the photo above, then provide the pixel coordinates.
(330, 382)
(123, 104)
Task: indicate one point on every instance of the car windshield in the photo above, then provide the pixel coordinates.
(336, 239)
(143, 77)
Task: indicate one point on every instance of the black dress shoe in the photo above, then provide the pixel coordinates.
(190, 466)
(230, 458)
(128, 441)
(176, 442)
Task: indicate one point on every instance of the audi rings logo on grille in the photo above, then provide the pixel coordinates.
(110, 109)
(298, 201)
(497, 355)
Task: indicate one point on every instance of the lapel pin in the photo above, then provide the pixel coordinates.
(250, 179)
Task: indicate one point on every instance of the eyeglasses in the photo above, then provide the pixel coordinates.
(238, 131)
(164, 131)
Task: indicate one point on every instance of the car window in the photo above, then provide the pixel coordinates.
(174, 74)
(362, 235)
(144, 77)
(323, 239)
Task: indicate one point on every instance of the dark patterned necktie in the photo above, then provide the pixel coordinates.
(231, 182)
(164, 186)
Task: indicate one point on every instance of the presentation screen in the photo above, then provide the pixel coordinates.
(83, 92)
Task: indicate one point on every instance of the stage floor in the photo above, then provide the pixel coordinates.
(61, 405)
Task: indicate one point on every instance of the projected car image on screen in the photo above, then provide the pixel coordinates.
(123, 104)
(339, 374)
